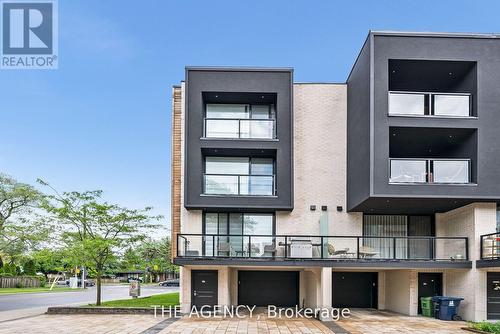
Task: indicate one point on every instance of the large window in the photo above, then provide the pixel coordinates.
(239, 176)
(240, 121)
(233, 229)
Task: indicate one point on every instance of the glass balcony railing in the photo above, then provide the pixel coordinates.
(354, 248)
(239, 128)
(430, 104)
(447, 171)
(490, 246)
(251, 185)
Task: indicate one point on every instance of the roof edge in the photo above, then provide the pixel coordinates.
(239, 68)
(433, 34)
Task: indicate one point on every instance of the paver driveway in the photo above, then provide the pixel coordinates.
(79, 323)
(361, 321)
(368, 321)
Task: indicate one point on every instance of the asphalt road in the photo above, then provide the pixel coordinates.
(24, 301)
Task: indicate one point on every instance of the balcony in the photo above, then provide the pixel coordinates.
(239, 185)
(326, 248)
(425, 171)
(490, 251)
(240, 128)
(430, 104)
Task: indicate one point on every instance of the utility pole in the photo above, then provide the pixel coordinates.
(83, 277)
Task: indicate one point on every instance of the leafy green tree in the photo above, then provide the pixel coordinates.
(95, 231)
(156, 254)
(19, 232)
(132, 260)
(29, 267)
(49, 261)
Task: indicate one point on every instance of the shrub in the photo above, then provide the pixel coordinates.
(43, 280)
(29, 267)
(486, 327)
(19, 285)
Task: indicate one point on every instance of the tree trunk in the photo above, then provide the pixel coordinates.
(98, 285)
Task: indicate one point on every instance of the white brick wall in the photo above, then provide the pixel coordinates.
(469, 221)
(319, 162)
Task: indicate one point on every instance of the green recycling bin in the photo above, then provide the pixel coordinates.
(427, 306)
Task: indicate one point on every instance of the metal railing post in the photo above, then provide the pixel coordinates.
(322, 247)
(249, 246)
(467, 248)
(394, 247)
(481, 245)
(213, 246)
(239, 185)
(357, 248)
(286, 246)
(431, 255)
(178, 237)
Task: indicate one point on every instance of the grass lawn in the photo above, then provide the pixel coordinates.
(486, 326)
(166, 299)
(5, 291)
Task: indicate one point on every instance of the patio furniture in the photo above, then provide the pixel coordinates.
(270, 248)
(336, 252)
(367, 252)
(192, 253)
(224, 247)
(301, 248)
(253, 249)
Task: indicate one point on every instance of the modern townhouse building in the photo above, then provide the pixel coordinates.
(370, 193)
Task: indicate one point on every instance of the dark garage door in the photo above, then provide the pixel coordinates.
(262, 288)
(352, 289)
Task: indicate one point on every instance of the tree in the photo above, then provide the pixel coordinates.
(19, 231)
(29, 267)
(132, 260)
(49, 261)
(156, 255)
(95, 231)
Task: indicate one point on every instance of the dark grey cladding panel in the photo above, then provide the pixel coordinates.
(358, 129)
(274, 84)
(481, 57)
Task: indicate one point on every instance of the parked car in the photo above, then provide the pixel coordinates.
(134, 279)
(170, 282)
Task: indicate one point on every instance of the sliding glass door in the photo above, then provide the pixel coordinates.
(377, 228)
(231, 226)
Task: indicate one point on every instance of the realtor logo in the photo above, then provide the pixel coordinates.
(29, 34)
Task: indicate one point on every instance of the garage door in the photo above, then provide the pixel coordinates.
(262, 288)
(352, 289)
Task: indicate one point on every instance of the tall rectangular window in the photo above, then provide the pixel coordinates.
(239, 176)
(240, 121)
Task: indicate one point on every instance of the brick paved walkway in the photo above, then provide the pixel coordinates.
(367, 321)
(361, 321)
(81, 324)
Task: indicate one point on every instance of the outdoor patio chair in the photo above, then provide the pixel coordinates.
(336, 252)
(270, 249)
(253, 249)
(224, 247)
(367, 252)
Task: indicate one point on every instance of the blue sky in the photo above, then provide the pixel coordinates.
(102, 120)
